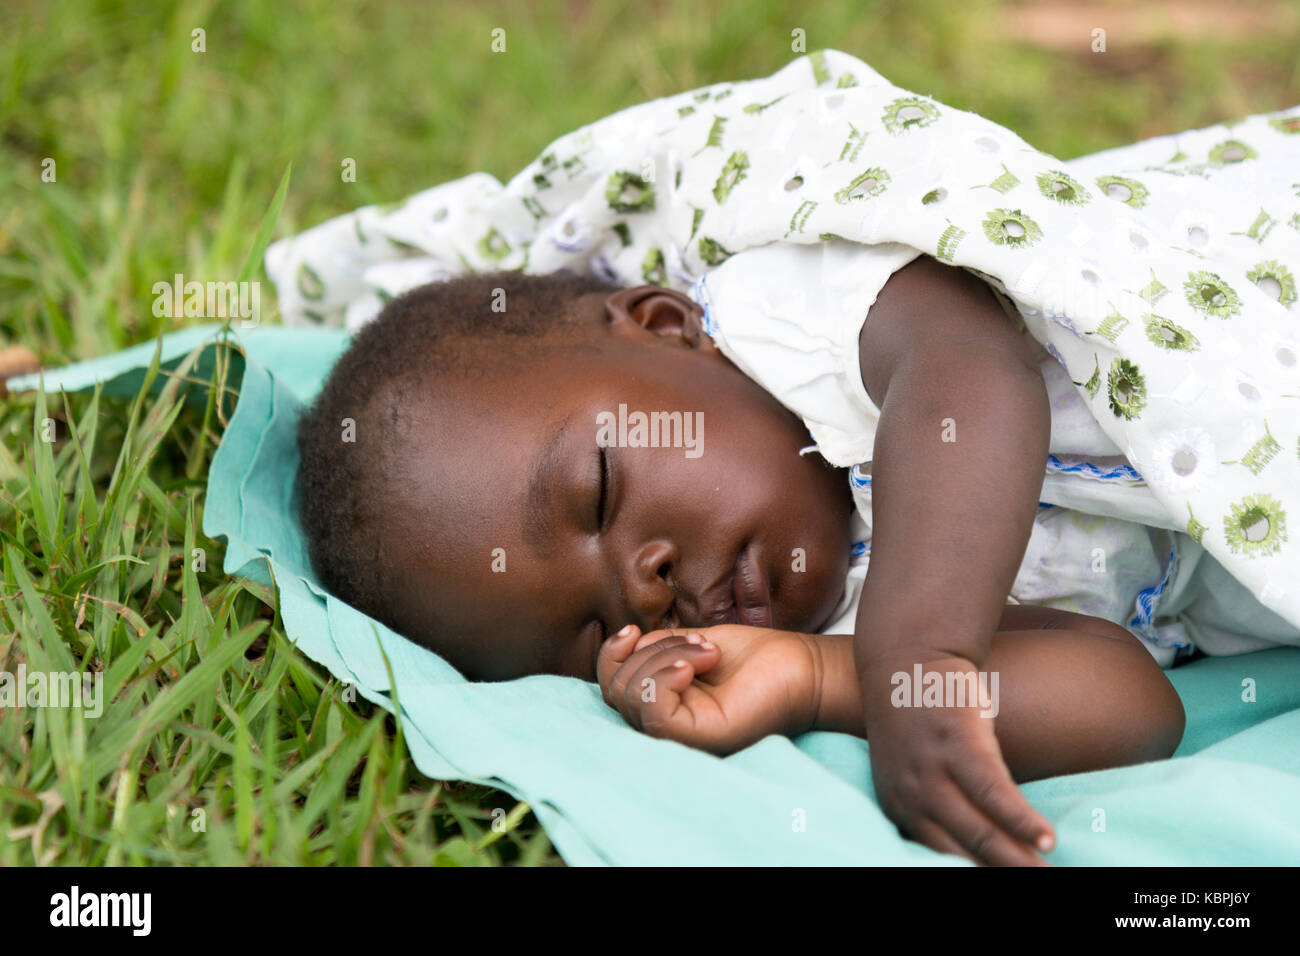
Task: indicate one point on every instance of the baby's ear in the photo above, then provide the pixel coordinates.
(664, 312)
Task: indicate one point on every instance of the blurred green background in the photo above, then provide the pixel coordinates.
(158, 147)
(166, 160)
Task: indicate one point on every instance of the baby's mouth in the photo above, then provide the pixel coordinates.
(752, 591)
(743, 598)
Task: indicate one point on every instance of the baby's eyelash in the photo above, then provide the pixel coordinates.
(604, 490)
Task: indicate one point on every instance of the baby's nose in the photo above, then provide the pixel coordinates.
(652, 587)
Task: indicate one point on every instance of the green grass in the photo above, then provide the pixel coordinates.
(218, 742)
(167, 161)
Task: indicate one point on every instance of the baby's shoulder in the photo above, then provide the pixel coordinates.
(927, 304)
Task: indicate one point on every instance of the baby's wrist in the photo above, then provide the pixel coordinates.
(837, 695)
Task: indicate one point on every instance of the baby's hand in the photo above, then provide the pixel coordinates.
(717, 688)
(940, 777)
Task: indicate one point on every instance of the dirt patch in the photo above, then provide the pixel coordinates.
(1069, 24)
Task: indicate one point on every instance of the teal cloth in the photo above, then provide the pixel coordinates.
(608, 794)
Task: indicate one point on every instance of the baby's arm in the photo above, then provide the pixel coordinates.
(1074, 693)
(957, 468)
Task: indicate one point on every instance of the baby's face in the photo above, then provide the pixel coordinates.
(535, 526)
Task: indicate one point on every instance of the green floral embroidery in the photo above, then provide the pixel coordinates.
(653, 269)
(1281, 279)
(853, 145)
(1057, 185)
(493, 246)
(733, 171)
(1168, 335)
(1011, 227)
(573, 167)
(1195, 530)
(1128, 191)
(800, 218)
(1262, 452)
(1260, 228)
(1231, 151)
(696, 217)
(1126, 388)
(1154, 289)
(1111, 326)
(949, 241)
(909, 112)
(846, 80)
(753, 109)
(309, 283)
(870, 182)
(1209, 294)
(715, 135)
(1004, 183)
(1085, 521)
(821, 73)
(1256, 526)
(628, 192)
(1094, 383)
(933, 196)
(1286, 124)
(712, 251)
(624, 234)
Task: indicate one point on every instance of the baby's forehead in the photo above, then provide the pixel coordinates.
(477, 441)
(495, 373)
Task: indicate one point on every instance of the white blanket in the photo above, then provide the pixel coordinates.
(1161, 275)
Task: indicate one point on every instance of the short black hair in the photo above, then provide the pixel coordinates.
(435, 331)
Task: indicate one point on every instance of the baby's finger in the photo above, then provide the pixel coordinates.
(656, 697)
(616, 649)
(635, 681)
(982, 839)
(615, 675)
(654, 637)
(987, 783)
(929, 833)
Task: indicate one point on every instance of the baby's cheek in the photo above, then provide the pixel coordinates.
(809, 585)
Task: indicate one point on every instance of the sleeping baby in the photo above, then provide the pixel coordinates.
(786, 486)
(481, 511)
